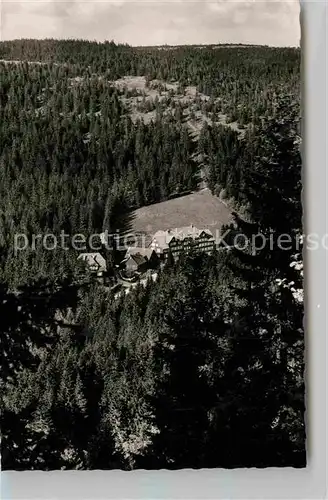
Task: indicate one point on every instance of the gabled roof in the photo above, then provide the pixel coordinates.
(145, 252)
(137, 258)
(95, 260)
(206, 232)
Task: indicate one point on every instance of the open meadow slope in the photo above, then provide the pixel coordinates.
(201, 209)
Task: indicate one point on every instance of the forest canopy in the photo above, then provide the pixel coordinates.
(202, 368)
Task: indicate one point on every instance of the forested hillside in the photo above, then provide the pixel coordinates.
(203, 368)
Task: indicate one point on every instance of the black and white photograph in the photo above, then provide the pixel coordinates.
(151, 235)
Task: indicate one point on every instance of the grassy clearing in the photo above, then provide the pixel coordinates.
(201, 209)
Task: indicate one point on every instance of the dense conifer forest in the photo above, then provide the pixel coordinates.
(202, 368)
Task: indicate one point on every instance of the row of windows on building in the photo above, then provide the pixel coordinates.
(201, 247)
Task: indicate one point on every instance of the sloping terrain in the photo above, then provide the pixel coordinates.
(201, 209)
(144, 99)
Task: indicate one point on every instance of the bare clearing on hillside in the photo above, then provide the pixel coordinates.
(159, 91)
(148, 97)
(201, 209)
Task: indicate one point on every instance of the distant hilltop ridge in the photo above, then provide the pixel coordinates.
(113, 44)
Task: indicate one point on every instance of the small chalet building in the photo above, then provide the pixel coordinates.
(135, 263)
(139, 260)
(182, 240)
(95, 262)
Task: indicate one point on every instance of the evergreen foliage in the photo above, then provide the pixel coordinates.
(202, 368)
